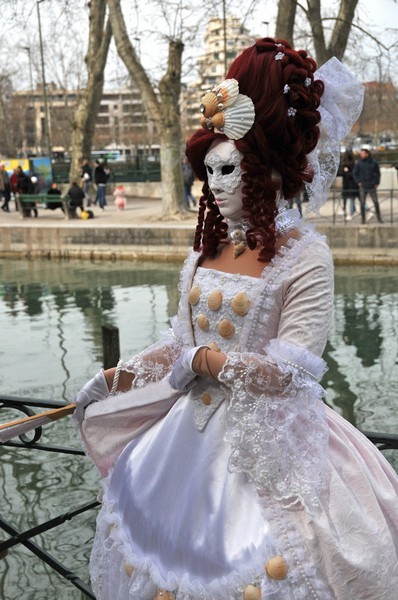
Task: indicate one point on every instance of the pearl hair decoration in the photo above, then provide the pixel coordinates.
(286, 89)
(291, 112)
(307, 81)
(279, 56)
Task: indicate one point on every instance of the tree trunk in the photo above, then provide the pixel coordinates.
(313, 13)
(342, 28)
(170, 135)
(87, 108)
(9, 147)
(162, 112)
(285, 20)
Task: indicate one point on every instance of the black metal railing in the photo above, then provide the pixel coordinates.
(384, 441)
(31, 442)
(333, 211)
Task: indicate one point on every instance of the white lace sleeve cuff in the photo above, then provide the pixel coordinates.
(276, 423)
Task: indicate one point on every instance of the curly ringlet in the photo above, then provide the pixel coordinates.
(276, 142)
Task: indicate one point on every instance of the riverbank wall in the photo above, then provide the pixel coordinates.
(139, 233)
(354, 245)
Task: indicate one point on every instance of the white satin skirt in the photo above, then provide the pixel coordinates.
(174, 518)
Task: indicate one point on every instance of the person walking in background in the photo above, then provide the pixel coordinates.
(100, 178)
(366, 174)
(350, 187)
(5, 188)
(86, 179)
(120, 197)
(188, 179)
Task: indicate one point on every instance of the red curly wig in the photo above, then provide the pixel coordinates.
(276, 142)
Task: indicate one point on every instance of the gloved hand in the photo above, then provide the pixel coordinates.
(94, 390)
(182, 377)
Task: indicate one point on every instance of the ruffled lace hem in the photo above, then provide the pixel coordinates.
(119, 573)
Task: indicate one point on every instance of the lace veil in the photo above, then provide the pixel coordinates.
(341, 105)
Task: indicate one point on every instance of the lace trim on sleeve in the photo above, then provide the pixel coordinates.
(154, 363)
(276, 423)
(182, 323)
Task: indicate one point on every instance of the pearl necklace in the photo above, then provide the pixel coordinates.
(285, 220)
(237, 235)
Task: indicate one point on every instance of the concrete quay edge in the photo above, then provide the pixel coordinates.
(139, 233)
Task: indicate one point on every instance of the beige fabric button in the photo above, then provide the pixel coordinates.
(251, 592)
(128, 569)
(214, 300)
(213, 346)
(276, 568)
(194, 294)
(164, 595)
(202, 322)
(206, 399)
(225, 328)
(241, 304)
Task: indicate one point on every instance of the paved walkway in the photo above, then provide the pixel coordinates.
(351, 242)
(139, 211)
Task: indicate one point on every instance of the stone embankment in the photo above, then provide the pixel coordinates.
(139, 233)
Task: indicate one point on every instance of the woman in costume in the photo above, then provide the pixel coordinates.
(225, 475)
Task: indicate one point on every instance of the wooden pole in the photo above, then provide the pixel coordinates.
(110, 345)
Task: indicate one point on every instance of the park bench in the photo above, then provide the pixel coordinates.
(27, 202)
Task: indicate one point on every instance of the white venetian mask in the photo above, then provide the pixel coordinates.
(224, 175)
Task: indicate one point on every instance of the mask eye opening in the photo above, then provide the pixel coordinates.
(227, 169)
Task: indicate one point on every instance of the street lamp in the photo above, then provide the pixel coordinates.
(28, 50)
(46, 113)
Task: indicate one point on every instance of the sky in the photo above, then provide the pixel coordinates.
(64, 61)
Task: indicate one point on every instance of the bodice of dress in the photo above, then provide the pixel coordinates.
(219, 306)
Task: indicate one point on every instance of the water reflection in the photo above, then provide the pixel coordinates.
(50, 322)
(362, 381)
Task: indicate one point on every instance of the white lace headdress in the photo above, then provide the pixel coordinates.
(341, 105)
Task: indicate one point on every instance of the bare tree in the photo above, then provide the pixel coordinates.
(88, 105)
(162, 109)
(7, 138)
(285, 20)
(343, 23)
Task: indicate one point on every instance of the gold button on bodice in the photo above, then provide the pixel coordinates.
(276, 568)
(225, 328)
(206, 399)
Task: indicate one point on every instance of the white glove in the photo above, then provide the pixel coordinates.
(182, 377)
(94, 390)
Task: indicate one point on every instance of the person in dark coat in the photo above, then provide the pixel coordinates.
(5, 188)
(76, 196)
(86, 179)
(350, 189)
(100, 178)
(188, 179)
(26, 186)
(366, 174)
(54, 191)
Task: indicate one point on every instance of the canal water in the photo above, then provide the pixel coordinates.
(50, 344)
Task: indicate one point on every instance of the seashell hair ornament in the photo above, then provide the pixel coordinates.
(227, 111)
